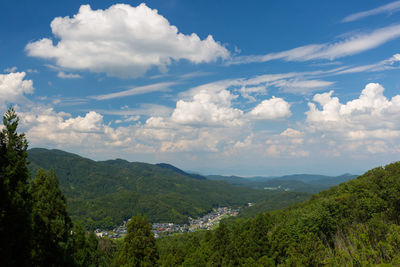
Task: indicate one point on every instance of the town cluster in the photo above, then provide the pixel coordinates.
(207, 222)
(118, 232)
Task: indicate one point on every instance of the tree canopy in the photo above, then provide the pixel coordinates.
(15, 202)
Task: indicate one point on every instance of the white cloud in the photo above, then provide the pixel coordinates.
(122, 41)
(248, 91)
(139, 90)
(291, 133)
(301, 86)
(388, 8)
(144, 109)
(128, 119)
(271, 109)
(371, 115)
(352, 45)
(209, 108)
(64, 75)
(13, 87)
(387, 64)
(9, 70)
(47, 128)
(92, 122)
(32, 71)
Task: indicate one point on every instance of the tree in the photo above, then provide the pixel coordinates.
(86, 251)
(15, 204)
(51, 223)
(139, 247)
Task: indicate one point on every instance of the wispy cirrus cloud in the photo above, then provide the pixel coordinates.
(10, 70)
(387, 64)
(64, 75)
(143, 109)
(352, 45)
(388, 8)
(163, 86)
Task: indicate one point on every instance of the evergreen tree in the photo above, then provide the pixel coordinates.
(51, 223)
(139, 247)
(86, 251)
(15, 205)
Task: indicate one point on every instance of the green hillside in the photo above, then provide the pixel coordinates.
(104, 193)
(309, 183)
(274, 201)
(354, 224)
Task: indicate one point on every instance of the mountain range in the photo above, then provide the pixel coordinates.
(102, 194)
(309, 183)
(105, 193)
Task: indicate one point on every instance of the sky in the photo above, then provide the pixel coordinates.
(215, 87)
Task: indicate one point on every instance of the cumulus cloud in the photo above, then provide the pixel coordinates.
(209, 108)
(47, 128)
(350, 46)
(13, 88)
(388, 8)
(271, 109)
(122, 41)
(92, 122)
(371, 115)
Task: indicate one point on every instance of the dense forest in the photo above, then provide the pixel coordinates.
(356, 223)
(102, 194)
(307, 183)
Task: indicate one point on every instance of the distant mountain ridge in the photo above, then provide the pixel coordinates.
(310, 183)
(173, 168)
(104, 193)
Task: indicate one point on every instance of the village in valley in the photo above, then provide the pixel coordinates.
(207, 222)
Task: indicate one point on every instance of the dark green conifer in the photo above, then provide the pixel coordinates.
(15, 204)
(51, 223)
(139, 247)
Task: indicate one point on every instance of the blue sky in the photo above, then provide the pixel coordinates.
(227, 87)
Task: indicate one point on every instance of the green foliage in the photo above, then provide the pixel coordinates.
(174, 250)
(104, 194)
(274, 201)
(353, 224)
(139, 247)
(86, 250)
(51, 223)
(307, 183)
(15, 203)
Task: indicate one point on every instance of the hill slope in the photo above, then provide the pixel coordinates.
(104, 193)
(309, 183)
(356, 223)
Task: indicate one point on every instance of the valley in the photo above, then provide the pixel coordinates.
(103, 194)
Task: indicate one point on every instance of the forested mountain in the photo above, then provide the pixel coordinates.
(274, 201)
(104, 193)
(310, 183)
(356, 223)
